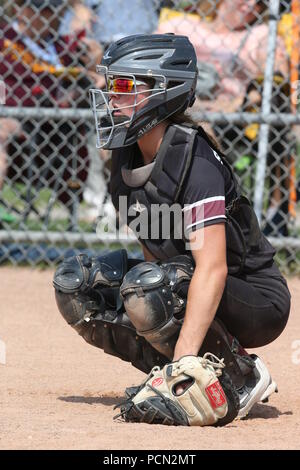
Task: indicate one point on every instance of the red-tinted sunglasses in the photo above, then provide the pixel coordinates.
(122, 85)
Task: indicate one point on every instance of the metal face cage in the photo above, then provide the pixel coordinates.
(111, 120)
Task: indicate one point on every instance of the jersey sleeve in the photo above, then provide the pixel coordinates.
(203, 196)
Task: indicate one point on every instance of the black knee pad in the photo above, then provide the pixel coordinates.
(85, 285)
(87, 296)
(112, 332)
(79, 308)
(150, 295)
(82, 273)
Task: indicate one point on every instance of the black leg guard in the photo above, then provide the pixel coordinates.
(155, 298)
(110, 331)
(219, 342)
(87, 296)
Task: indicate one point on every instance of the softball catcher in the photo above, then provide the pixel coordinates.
(185, 314)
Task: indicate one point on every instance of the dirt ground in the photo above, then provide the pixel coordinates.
(57, 392)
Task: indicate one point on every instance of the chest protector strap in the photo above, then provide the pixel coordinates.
(172, 165)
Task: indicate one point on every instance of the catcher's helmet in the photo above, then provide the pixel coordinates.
(166, 61)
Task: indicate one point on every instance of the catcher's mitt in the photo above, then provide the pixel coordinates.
(204, 401)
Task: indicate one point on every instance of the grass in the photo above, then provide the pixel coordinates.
(13, 199)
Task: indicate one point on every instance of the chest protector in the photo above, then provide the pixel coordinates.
(161, 182)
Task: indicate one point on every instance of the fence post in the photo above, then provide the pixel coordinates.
(266, 109)
(2, 92)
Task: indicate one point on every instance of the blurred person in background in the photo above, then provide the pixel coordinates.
(8, 128)
(42, 68)
(109, 20)
(31, 43)
(233, 45)
(103, 22)
(232, 51)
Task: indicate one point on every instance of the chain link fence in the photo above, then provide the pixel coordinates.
(53, 180)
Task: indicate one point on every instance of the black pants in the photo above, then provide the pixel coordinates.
(254, 308)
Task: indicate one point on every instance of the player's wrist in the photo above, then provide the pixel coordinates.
(182, 348)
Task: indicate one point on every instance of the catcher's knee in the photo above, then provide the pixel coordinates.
(85, 285)
(150, 295)
(87, 296)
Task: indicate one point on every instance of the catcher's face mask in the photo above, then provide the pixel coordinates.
(119, 104)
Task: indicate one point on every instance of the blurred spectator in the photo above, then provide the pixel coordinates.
(206, 9)
(235, 50)
(41, 68)
(109, 20)
(103, 22)
(8, 128)
(32, 48)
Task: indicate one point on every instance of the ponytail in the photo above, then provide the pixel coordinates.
(183, 118)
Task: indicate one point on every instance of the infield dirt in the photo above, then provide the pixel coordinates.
(57, 392)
